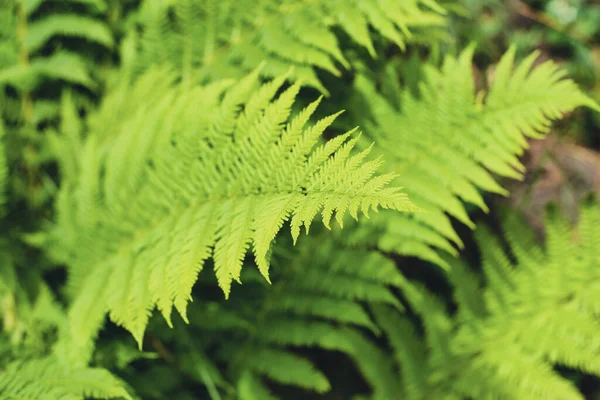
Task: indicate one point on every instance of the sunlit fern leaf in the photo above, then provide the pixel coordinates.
(47, 379)
(564, 308)
(447, 143)
(229, 38)
(202, 172)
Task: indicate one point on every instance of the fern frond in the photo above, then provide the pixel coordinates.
(175, 187)
(409, 351)
(48, 379)
(29, 326)
(448, 142)
(228, 38)
(504, 343)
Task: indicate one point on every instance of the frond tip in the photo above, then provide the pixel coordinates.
(195, 174)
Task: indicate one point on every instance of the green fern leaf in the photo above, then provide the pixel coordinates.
(449, 141)
(229, 38)
(533, 313)
(176, 187)
(48, 379)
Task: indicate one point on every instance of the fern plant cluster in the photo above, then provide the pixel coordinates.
(190, 210)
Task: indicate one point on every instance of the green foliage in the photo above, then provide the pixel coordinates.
(442, 169)
(144, 141)
(42, 50)
(567, 31)
(134, 236)
(46, 379)
(538, 310)
(224, 38)
(3, 170)
(263, 336)
(28, 369)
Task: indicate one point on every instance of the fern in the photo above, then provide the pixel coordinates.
(47, 379)
(262, 338)
(226, 38)
(96, 6)
(27, 371)
(539, 311)
(36, 54)
(448, 143)
(144, 146)
(174, 188)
